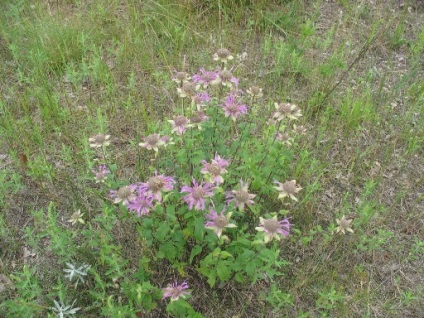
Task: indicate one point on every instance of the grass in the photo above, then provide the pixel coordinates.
(72, 69)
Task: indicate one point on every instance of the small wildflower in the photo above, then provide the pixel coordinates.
(99, 140)
(287, 189)
(218, 222)
(141, 204)
(300, 130)
(222, 55)
(226, 78)
(205, 77)
(153, 141)
(288, 110)
(167, 141)
(197, 194)
(200, 99)
(156, 184)
(215, 169)
(233, 108)
(180, 77)
(101, 173)
(255, 91)
(284, 138)
(76, 217)
(198, 118)
(124, 194)
(272, 227)
(175, 291)
(240, 197)
(188, 90)
(344, 225)
(179, 124)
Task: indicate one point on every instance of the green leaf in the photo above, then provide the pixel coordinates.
(225, 255)
(197, 249)
(223, 271)
(162, 231)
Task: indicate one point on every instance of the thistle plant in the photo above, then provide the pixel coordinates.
(75, 273)
(63, 310)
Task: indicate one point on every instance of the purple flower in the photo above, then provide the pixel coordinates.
(217, 222)
(197, 194)
(200, 99)
(175, 291)
(205, 77)
(272, 227)
(141, 204)
(215, 169)
(156, 184)
(179, 124)
(123, 194)
(240, 197)
(233, 108)
(101, 173)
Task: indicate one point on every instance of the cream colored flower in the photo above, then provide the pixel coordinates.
(99, 140)
(223, 55)
(76, 217)
(344, 225)
(287, 189)
(255, 91)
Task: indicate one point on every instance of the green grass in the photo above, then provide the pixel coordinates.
(71, 69)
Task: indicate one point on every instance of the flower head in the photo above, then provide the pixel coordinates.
(205, 77)
(142, 203)
(284, 138)
(240, 197)
(287, 189)
(200, 99)
(223, 55)
(188, 89)
(218, 222)
(215, 169)
(255, 91)
(198, 118)
(124, 194)
(180, 77)
(99, 140)
(175, 291)
(226, 78)
(300, 130)
(101, 173)
(76, 217)
(272, 227)
(153, 141)
(156, 184)
(288, 110)
(233, 108)
(179, 124)
(344, 225)
(197, 194)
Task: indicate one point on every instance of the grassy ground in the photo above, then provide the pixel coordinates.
(73, 68)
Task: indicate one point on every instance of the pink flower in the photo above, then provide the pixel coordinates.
(272, 227)
(175, 291)
(156, 184)
(197, 194)
(215, 169)
(200, 99)
(141, 204)
(233, 108)
(217, 222)
(205, 77)
(179, 124)
(101, 173)
(240, 197)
